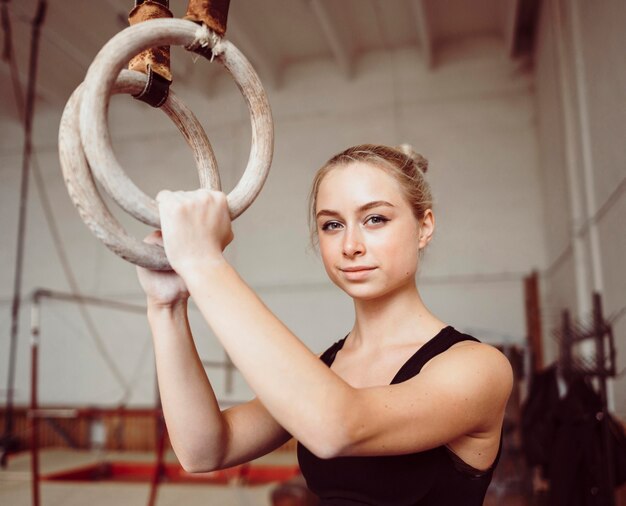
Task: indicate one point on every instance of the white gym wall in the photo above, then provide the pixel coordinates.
(580, 92)
(491, 127)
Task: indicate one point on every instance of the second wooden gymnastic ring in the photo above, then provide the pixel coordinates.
(95, 100)
(81, 186)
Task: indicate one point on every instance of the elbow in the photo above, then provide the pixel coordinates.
(200, 453)
(199, 459)
(333, 436)
(335, 442)
(196, 465)
(325, 450)
(196, 468)
(193, 467)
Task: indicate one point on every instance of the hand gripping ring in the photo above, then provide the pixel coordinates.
(86, 142)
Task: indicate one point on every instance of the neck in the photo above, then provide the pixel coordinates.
(395, 319)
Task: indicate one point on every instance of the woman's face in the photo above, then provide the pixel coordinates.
(368, 235)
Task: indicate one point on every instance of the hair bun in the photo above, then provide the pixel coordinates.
(419, 160)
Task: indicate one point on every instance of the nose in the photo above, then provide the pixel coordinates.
(353, 244)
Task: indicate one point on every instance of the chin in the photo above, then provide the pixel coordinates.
(364, 291)
(371, 291)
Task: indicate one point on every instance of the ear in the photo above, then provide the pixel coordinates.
(427, 228)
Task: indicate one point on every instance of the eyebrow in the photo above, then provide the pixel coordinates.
(365, 207)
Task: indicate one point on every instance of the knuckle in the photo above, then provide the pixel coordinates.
(203, 195)
(221, 199)
(162, 195)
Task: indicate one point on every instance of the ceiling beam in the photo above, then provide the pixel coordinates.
(424, 32)
(335, 37)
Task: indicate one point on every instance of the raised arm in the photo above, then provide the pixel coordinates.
(311, 402)
(203, 437)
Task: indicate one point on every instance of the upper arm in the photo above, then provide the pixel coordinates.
(462, 391)
(252, 433)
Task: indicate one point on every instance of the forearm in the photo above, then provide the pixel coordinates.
(302, 394)
(195, 423)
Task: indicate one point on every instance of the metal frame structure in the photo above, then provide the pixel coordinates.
(36, 413)
(600, 366)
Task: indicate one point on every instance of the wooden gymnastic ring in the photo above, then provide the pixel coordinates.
(95, 100)
(82, 188)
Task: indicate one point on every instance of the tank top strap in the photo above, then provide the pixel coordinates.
(446, 338)
(329, 355)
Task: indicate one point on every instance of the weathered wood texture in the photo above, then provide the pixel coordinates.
(85, 142)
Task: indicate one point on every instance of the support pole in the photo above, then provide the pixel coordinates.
(600, 331)
(159, 466)
(8, 440)
(533, 320)
(566, 345)
(160, 435)
(33, 418)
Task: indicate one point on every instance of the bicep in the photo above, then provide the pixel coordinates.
(252, 433)
(462, 394)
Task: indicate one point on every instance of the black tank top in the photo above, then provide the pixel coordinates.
(435, 477)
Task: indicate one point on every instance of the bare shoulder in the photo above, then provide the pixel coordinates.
(479, 360)
(472, 354)
(474, 370)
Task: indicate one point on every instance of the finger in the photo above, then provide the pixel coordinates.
(162, 195)
(155, 237)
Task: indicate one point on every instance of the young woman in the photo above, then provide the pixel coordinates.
(405, 410)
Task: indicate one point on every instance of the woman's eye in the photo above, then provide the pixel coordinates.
(331, 225)
(376, 220)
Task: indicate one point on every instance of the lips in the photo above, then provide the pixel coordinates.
(356, 273)
(357, 268)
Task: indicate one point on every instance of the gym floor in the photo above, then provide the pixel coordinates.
(16, 484)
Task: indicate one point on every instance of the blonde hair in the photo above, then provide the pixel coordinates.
(405, 165)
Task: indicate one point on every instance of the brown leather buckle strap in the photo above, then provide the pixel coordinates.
(155, 61)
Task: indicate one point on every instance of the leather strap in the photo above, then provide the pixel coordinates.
(213, 13)
(155, 61)
(155, 91)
